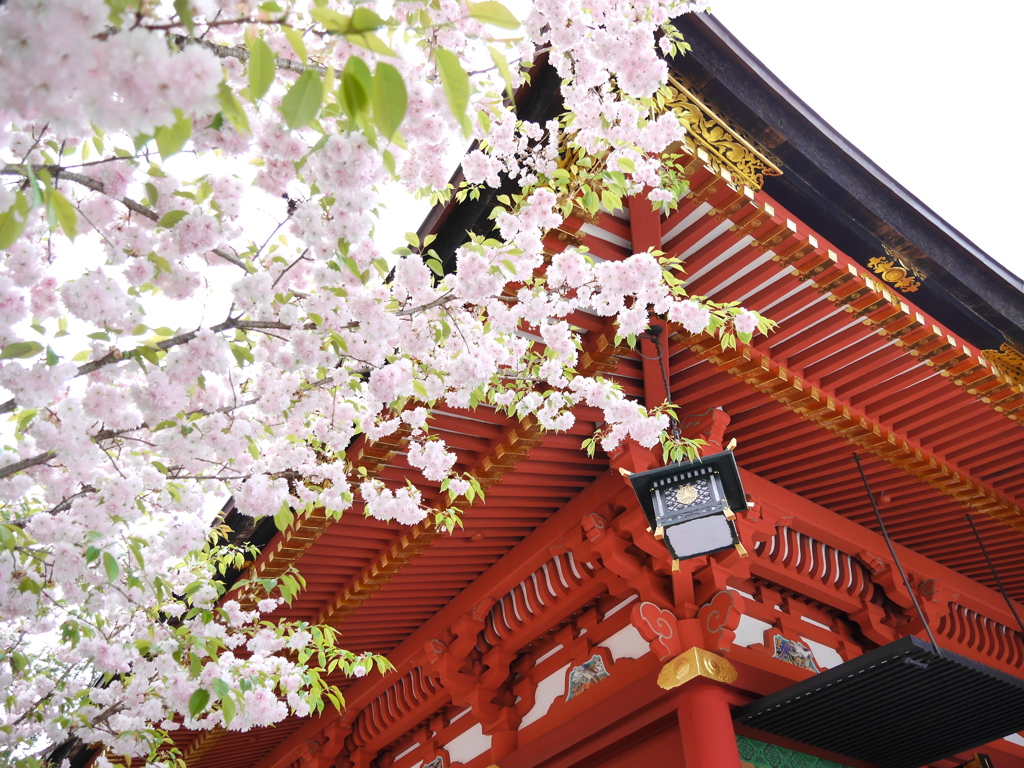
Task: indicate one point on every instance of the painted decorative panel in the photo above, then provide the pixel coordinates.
(757, 754)
(437, 762)
(795, 652)
(590, 672)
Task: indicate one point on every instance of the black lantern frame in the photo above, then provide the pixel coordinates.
(692, 505)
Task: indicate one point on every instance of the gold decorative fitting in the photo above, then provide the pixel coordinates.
(686, 494)
(696, 662)
(572, 238)
(1009, 360)
(721, 148)
(893, 270)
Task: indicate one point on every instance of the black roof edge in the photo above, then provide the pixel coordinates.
(808, 146)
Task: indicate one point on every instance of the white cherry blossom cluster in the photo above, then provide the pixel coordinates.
(194, 306)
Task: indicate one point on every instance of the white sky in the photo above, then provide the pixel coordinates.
(930, 91)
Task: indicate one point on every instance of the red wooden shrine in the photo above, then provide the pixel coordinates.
(535, 637)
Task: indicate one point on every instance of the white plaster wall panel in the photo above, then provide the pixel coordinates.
(750, 631)
(548, 689)
(627, 643)
(468, 745)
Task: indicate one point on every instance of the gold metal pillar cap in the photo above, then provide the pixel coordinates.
(696, 662)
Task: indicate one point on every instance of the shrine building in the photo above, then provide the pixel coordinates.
(556, 631)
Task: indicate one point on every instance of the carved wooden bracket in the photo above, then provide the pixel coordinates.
(334, 735)
(721, 570)
(708, 426)
(758, 524)
(633, 457)
(659, 627)
(719, 618)
(475, 688)
(603, 541)
(885, 573)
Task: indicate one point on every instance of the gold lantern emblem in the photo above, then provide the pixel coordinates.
(686, 494)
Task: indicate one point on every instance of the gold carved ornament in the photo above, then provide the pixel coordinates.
(694, 663)
(708, 138)
(687, 494)
(1009, 359)
(894, 271)
(720, 147)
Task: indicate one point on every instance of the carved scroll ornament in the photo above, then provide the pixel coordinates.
(716, 143)
(1009, 359)
(896, 272)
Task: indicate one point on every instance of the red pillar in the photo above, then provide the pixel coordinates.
(705, 724)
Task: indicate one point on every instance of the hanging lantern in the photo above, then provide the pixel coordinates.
(692, 506)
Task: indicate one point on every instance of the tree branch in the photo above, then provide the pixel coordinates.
(58, 172)
(242, 54)
(18, 466)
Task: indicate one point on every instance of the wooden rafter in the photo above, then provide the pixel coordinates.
(763, 374)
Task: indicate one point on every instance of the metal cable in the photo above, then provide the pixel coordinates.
(895, 557)
(995, 573)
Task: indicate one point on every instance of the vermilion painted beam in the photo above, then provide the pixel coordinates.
(525, 558)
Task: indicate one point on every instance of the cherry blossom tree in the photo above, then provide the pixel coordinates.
(222, 163)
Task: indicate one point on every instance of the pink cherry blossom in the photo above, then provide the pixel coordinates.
(225, 322)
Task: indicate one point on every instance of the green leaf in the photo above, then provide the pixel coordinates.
(262, 68)
(610, 200)
(626, 164)
(20, 350)
(284, 517)
(33, 182)
(220, 688)
(356, 86)
(301, 104)
(197, 703)
(227, 706)
(493, 12)
(23, 421)
(332, 21)
(455, 82)
(170, 139)
(171, 218)
(295, 39)
(65, 213)
(371, 42)
(233, 109)
(12, 221)
(110, 566)
(184, 11)
(389, 99)
(365, 20)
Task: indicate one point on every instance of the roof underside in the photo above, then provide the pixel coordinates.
(378, 583)
(831, 349)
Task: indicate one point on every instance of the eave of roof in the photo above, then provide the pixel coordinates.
(839, 180)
